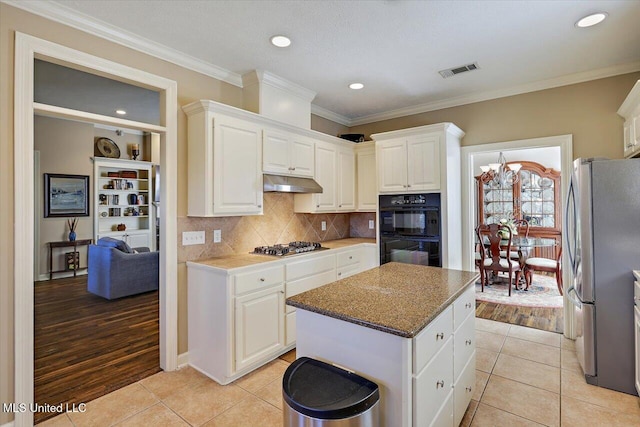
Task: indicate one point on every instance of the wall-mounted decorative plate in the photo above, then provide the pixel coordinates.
(108, 148)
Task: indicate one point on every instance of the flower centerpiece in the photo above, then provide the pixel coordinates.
(510, 223)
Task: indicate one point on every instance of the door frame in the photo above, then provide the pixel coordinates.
(565, 143)
(27, 49)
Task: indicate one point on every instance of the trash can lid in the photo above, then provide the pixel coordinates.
(324, 391)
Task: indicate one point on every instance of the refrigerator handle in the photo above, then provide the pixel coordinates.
(571, 237)
(573, 301)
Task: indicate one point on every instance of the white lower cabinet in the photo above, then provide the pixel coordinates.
(444, 365)
(259, 329)
(237, 318)
(133, 239)
(432, 386)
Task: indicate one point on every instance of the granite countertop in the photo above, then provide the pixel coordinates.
(396, 298)
(229, 262)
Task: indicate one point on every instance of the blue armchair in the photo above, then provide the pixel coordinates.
(116, 270)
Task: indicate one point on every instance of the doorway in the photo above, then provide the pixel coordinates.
(471, 156)
(27, 49)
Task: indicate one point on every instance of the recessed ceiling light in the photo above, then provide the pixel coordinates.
(121, 112)
(356, 86)
(592, 19)
(280, 41)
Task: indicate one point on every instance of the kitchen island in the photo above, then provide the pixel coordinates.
(409, 328)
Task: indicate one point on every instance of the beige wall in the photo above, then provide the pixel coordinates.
(586, 110)
(327, 126)
(65, 147)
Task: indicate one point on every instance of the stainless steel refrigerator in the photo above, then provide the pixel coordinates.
(602, 232)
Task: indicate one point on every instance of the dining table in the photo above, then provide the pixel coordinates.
(524, 246)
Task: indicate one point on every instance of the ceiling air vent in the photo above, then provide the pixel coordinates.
(457, 70)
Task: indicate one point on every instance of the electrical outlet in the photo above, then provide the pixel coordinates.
(323, 225)
(217, 236)
(193, 238)
(372, 224)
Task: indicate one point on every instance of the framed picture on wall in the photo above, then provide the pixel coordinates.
(66, 195)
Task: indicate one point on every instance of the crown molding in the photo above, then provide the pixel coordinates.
(330, 115)
(85, 23)
(570, 79)
(67, 16)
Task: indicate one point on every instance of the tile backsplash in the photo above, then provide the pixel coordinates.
(279, 224)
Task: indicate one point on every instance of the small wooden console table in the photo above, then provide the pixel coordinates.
(66, 244)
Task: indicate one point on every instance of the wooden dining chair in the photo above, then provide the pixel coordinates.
(546, 265)
(490, 259)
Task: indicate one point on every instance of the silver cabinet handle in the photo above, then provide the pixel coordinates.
(339, 206)
(468, 305)
(259, 206)
(293, 168)
(340, 274)
(282, 292)
(468, 342)
(350, 257)
(408, 186)
(440, 336)
(468, 389)
(440, 384)
(262, 279)
(317, 206)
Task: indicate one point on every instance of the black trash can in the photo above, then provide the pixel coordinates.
(318, 394)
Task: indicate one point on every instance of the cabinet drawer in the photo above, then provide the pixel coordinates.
(463, 389)
(432, 339)
(432, 386)
(254, 280)
(350, 270)
(444, 418)
(464, 343)
(353, 256)
(465, 304)
(636, 293)
(309, 267)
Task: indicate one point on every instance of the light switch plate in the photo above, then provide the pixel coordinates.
(323, 225)
(217, 236)
(193, 238)
(372, 224)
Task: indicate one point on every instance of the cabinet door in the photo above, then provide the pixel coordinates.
(237, 162)
(346, 180)
(432, 387)
(423, 163)
(275, 152)
(302, 154)
(392, 166)
(259, 329)
(326, 158)
(366, 177)
(139, 240)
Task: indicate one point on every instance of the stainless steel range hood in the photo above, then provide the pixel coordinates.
(290, 184)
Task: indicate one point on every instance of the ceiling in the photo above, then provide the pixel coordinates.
(395, 48)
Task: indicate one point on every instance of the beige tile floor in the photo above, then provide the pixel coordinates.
(524, 377)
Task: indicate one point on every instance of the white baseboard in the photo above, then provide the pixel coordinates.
(183, 360)
(45, 276)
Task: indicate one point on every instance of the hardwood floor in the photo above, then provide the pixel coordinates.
(86, 346)
(547, 319)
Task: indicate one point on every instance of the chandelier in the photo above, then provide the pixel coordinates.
(500, 174)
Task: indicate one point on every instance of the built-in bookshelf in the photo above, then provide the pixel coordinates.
(123, 207)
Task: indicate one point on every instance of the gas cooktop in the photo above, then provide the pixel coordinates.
(291, 248)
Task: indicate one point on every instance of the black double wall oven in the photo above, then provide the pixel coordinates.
(410, 229)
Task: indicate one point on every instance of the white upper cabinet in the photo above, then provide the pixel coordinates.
(409, 164)
(366, 178)
(224, 163)
(335, 172)
(346, 174)
(287, 154)
(630, 110)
